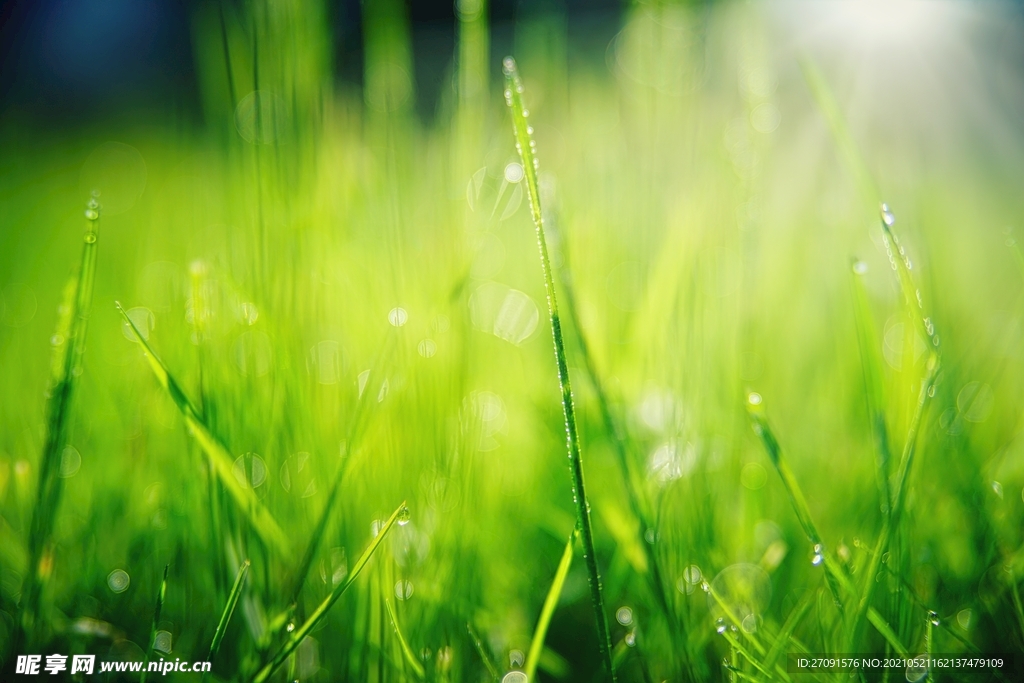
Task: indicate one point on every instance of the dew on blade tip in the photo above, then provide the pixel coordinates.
(887, 216)
(933, 618)
(404, 516)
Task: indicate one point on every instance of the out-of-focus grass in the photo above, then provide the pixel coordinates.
(346, 294)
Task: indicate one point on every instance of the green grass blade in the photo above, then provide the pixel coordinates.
(525, 147)
(486, 658)
(66, 366)
(761, 427)
(416, 665)
(792, 621)
(550, 602)
(156, 623)
(220, 458)
(320, 612)
(229, 609)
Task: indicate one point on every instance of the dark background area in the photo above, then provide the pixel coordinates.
(74, 61)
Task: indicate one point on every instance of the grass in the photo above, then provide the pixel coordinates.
(530, 164)
(331, 301)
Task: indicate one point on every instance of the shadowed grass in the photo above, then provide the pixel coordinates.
(525, 146)
(161, 594)
(69, 345)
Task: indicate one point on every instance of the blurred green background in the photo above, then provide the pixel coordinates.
(297, 238)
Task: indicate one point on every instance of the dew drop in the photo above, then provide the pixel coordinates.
(514, 677)
(290, 627)
(404, 516)
(624, 615)
(92, 214)
(720, 626)
(933, 618)
(887, 216)
(630, 639)
(754, 398)
(860, 267)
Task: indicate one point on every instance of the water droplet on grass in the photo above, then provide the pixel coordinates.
(404, 516)
(754, 398)
(624, 615)
(516, 659)
(819, 556)
(720, 626)
(514, 677)
(630, 639)
(859, 267)
(887, 216)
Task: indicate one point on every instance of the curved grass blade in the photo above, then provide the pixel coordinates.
(220, 458)
(834, 575)
(550, 602)
(796, 496)
(417, 667)
(229, 609)
(66, 366)
(156, 624)
(320, 612)
(525, 147)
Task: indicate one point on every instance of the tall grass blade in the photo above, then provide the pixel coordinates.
(525, 147)
(550, 602)
(161, 594)
(320, 612)
(229, 609)
(66, 366)
(407, 652)
(220, 458)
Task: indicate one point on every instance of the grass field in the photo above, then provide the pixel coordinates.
(314, 430)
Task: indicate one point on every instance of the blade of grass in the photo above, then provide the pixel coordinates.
(66, 366)
(416, 665)
(156, 624)
(229, 609)
(525, 147)
(220, 458)
(803, 513)
(486, 658)
(320, 612)
(550, 602)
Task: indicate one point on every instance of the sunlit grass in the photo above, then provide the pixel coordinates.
(328, 305)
